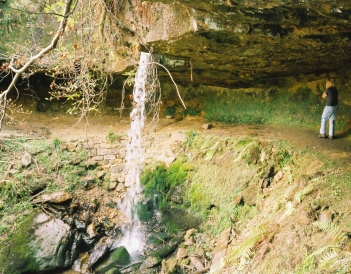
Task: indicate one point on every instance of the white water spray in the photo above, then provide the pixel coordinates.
(134, 238)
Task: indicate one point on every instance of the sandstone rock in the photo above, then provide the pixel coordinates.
(220, 250)
(189, 242)
(26, 159)
(120, 187)
(112, 185)
(200, 254)
(326, 216)
(71, 147)
(195, 262)
(238, 199)
(202, 238)
(189, 234)
(181, 253)
(207, 126)
(56, 197)
(91, 230)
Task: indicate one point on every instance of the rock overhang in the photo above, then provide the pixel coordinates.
(242, 43)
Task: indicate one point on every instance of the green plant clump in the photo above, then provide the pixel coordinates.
(112, 137)
(159, 181)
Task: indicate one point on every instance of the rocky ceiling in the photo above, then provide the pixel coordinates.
(242, 43)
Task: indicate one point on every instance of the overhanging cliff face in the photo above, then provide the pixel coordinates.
(243, 43)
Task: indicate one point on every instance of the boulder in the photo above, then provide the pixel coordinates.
(99, 251)
(221, 250)
(118, 257)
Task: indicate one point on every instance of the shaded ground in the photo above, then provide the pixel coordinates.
(65, 127)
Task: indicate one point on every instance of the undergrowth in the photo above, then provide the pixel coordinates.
(301, 108)
(271, 195)
(52, 166)
(160, 184)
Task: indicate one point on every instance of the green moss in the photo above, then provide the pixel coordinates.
(16, 256)
(157, 183)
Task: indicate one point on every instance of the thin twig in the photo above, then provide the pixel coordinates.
(36, 163)
(8, 171)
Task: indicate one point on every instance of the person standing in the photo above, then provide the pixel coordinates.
(330, 109)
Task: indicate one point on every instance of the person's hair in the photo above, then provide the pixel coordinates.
(331, 81)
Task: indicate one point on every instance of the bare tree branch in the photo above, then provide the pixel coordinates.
(18, 72)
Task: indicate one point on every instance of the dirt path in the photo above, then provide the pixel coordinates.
(65, 127)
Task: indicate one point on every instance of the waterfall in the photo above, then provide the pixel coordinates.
(134, 236)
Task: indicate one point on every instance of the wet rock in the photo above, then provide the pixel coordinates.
(54, 244)
(158, 238)
(100, 250)
(87, 241)
(170, 247)
(150, 262)
(113, 271)
(118, 257)
(79, 225)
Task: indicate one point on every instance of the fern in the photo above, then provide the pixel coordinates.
(299, 196)
(332, 230)
(289, 209)
(241, 155)
(327, 259)
(244, 252)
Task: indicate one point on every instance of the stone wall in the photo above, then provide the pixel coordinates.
(108, 158)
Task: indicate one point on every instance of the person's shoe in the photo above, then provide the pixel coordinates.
(330, 137)
(321, 136)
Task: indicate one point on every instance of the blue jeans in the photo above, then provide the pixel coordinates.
(329, 113)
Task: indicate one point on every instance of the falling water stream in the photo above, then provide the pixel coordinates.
(134, 236)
